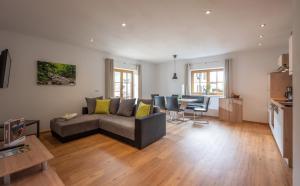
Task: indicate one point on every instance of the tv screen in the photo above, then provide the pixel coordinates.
(5, 63)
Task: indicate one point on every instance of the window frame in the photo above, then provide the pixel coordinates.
(121, 81)
(207, 72)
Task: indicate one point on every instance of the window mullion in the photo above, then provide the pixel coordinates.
(121, 85)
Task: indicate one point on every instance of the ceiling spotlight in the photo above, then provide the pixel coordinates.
(92, 40)
(208, 12)
(262, 25)
(261, 36)
(123, 24)
(259, 44)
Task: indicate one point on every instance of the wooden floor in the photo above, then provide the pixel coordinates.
(215, 154)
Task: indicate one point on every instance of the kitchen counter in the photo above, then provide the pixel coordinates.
(281, 102)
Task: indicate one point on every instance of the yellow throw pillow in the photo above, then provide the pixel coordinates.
(102, 106)
(143, 110)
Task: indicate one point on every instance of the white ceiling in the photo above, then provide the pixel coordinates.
(156, 29)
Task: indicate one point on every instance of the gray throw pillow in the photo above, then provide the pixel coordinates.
(145, 101)
(126, 107)
(91, 104)
(114, 105)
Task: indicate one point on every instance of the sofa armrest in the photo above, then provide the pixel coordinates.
(156, 109)
(149, 129)
(84, 110)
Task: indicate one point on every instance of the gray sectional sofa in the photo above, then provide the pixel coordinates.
(136, 132)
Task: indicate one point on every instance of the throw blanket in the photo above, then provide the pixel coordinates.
(69, 116)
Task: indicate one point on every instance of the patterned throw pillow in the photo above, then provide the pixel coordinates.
(126, 107)
(114, 105)
(102, 106)
(143, 110)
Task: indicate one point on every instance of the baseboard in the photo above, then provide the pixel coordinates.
(45, 131)
(255, 122)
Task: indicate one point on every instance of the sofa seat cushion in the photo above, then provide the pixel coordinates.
(76, 125)
(120, 125)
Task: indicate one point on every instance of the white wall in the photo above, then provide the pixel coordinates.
(24, 98)
(296, 83)
(250, 79)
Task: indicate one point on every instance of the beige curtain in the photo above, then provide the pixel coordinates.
(139, 69)
(109, 78)
(228, 78)
(186, 79)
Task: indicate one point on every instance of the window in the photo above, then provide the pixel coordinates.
(123, 83)
(208, 82)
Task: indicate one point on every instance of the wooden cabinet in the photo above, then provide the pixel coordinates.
(278, 83)
(291, 55)
(283, 60)
(231, 109)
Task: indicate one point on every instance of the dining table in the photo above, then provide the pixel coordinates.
(185, 101)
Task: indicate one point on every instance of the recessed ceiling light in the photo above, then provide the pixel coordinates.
(92, 40)
(123, 24)
(259, 44)
(261, 36)
(262, 25)
(207, 12)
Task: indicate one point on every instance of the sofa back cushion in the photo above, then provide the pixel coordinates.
(143, 110)
(114, 105)
(102, 106)
(126, 107)
(145, 101)
(91, 104)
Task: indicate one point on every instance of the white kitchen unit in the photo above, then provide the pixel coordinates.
(280, 121)
(278, 127)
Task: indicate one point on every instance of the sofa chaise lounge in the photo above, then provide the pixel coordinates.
(136, 132)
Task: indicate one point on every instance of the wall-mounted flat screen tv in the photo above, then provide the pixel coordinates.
(5, 63)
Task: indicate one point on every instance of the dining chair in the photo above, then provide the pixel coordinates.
(201, 110)
(172, 106)
(153, 95)
(160, 102)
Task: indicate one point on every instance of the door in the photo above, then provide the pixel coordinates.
(123, 83)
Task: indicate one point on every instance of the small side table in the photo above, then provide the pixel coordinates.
(32, 122)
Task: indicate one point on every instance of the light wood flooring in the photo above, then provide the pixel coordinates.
(216, 154)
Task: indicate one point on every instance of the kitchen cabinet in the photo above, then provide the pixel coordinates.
(283, 60)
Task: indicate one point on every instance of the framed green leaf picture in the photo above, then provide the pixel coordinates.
(49, 73)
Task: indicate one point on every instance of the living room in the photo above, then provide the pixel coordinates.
(183, 51)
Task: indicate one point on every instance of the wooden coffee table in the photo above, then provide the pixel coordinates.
(37, 156)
